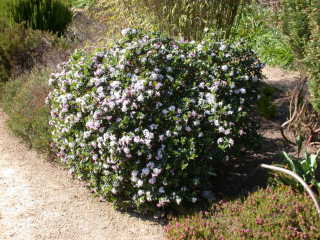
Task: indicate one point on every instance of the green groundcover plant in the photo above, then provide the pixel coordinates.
(148, 121)
(271, 213)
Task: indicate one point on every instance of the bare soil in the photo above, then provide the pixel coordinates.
(41, 201)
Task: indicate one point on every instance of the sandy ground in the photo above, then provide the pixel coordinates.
(280, 78)
(41, 201)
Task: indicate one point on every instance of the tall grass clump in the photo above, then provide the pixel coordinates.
(48, 15)
(24, 102)
(185, 18)
(189, 18)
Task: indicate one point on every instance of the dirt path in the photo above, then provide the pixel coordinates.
(41, 201)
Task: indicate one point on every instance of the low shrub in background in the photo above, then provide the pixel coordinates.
(21, 48)
(48, 15)
(271, 213)
(149, 121)
(24, 101)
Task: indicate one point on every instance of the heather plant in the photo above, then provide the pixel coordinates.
(23, 100)
(271, 213)
(21, 48)
(148, 121)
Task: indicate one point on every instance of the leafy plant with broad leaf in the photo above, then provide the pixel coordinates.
(306, 167)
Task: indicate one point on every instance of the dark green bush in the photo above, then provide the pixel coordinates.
(24, 101)
(49, 15)
(271, 213)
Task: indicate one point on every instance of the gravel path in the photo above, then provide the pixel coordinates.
(39, 200)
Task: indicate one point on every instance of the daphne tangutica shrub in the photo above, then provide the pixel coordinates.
(148, 121)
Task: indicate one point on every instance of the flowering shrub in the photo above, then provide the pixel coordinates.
(148, 121)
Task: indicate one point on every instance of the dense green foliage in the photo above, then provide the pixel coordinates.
(148, 121)
(301, 23)
(189, 18)
(48, 15)
(24, 101)
(272, 213)
(256, 25)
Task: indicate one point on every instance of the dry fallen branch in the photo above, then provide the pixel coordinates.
(303, 120)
